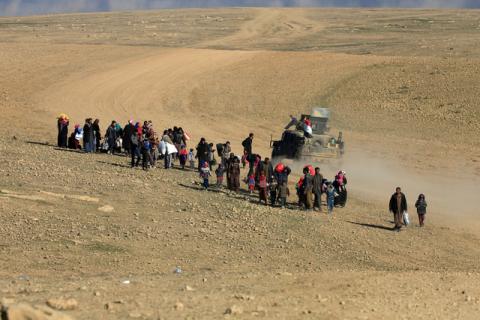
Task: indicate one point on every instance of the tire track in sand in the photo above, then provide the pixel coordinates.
(156, 86)
(270, 26)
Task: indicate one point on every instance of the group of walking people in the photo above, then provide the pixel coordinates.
(142, 143)
(312, 185)
(139, 141)
(271, 182)
(89, 134)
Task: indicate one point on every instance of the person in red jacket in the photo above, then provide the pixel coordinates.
(262, 187)
(182, 156)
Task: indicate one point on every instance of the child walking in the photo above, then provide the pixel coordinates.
(205, 174)
(219, 172)
(272, 186)
(182, 156)
(191, 159)
(421, 206)
(262, 186)
(331, 194)
(251, 183)
(283, 193)
(146, 153)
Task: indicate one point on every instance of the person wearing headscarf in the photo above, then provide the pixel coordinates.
(421, 206)
(211, 156)
(167, 154)
(111, 137)
(154, 143)
(177, 138)
(308, 188)
(340, 184)
(234, 173)
(317, 189)
(202, 152)
(62, 125)
(77, 137)
(135, 146)
(127, 135)
(266, 167)
(88, 136)
(263, 188)
(205, 175)
(228, 163)
(98, 135)
(226, 150)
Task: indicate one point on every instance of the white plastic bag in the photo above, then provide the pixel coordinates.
(308, 129)
(164, 146)
(119, 142)
(406, 218)
(104, 145)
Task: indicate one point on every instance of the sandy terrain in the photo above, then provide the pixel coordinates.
(402, 85)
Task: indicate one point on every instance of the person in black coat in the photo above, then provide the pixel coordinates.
(317, 189)
(62, 125)
(111, 137)
(202, 152)
(340, 185)
(88, 136)
(98, 135)
(247, 145)
(127, 136)
(268, 169)
(397, 206)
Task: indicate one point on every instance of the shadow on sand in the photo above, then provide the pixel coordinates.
(114, 164)
(54, 146)
(241, 195)
(374, 226)
(39, 143)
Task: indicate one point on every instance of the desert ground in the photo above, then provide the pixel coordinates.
(402, 86)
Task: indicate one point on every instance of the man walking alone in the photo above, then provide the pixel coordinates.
(398, 205)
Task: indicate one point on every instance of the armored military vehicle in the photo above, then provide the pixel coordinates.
(309, 139)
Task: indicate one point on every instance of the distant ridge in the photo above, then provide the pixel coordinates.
(31, 7)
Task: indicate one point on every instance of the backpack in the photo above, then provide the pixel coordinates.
(118, 142)
(245, 143)
(105, 146)
(205, 173)
(219, 171)
(220, 149)
(178, 138)
(146, 144)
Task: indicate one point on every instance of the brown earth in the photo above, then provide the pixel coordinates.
(402, 86)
